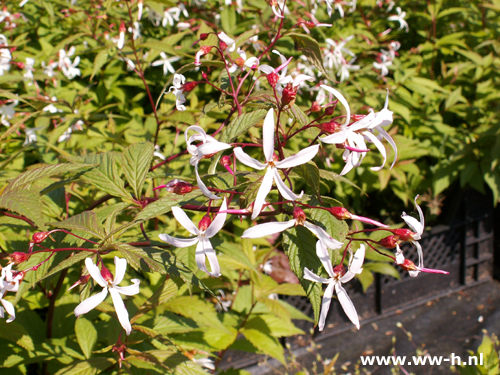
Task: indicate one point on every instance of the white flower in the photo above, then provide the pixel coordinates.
(282, 79)
(31, 135)
(103, 278)
(49, 69)
(383, 65)
(271, 165)
(243, 62)
(230, 43)
(417, 226)
(69, 68)
(353, 136)
(343, 72)
(30, 62)
(121, 36)
(177, 90)
(400, 17)
(51, 108)
(334, 57)
(209, 146)
(67, 134)
(8, 283)
(7, 112)
(5, 55)
(165, 61)
(337, 278)
(207, 230)
(136, 30)
(280, 4)
(267, 229)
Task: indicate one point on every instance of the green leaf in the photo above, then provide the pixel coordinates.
(310, 173)
(138, 258)
(136, 162)
(106, 177)
(164, 205)
(228, 19)
(311, 49)
(300, 246)
(331, 176)
(89, 367)
(33, 175)
(99, 61)
(16, 333)
(257, 332)
(25, 202)
(86, 335)
(78, 257)
(85, 222)
(383, 268)
(166, 291)
(241, 124)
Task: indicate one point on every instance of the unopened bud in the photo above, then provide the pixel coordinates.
(20, 65)
(310, 24)
(122, 28)
(188, 86)
(315, 107)
(81, 281)
(106, 274)
(204, 36)
(204, 75)
(403, 234)
(329, 127)
(299, 215)
(222, 45)
(19, 257)
(225, 161)
(204, 223)
(389, 242)
(408, 265)
(329, 110)
(39, 237)
(288, 95)
(340, 213)
(273, 78)
(240, 62)
(179, 187)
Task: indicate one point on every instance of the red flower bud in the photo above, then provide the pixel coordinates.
(408, 265)
(315, 107)
(310, 24)
(179, 187)
(340, 213)
(329, 127)
(204, 75)
(188, 86)
(122, 28)
(19, 257)
(106, 274)
(204, 36)
(39, 237)
(240, 62)
(288, 95)
(204, 223)
(225, 161)
(20, 65)
(329, 110)
(389, 242)
(403, 234)
(81, 281)
(299, 215)
(273, 78)
(222, 45)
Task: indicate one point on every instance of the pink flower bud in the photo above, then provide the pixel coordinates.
(273, 78)
(179, 187)
(81, 281)
(222, 45)
(403, 234)
(329, 110)
(39, 237)
(204, 75)
(315, 107)
(288, 95)
(106, 274)
(389, 242)
(225, 161)
(329, 127)
(340, 213)
(19, 257)
(204, 36)
(204, 223)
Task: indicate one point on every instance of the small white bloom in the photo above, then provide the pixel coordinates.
(417, 226)
(30, 62)
(112, 286)
(178, 91)
(7, 112)
(271, 165)
(230, 43)
(166, 62)
(49, 69)
(207, 230)
(5, 55)
(8, 283)
(337, 278)
(400, 17)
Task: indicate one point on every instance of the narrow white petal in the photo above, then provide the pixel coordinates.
(91, 302)
(247, 160)
(324, 237)
(420, 254)
(391, 142)
(218, 222)
(311, 276)
(421, 216)
(121, 310)
(324, 257)
(129, 290)
(95, 272)
(301, 78)
(200, 257)
(413, 223)
(120, 268)
(266, 69)
(283, 189)
(300, 158)
(9, 308)
(336, 138)
(268, 136)
(212, 259)
(210, 148)
(178, 242)
(355, 264)
(265, 188)
(251, 62)
(379, 146)
(184, 220)
(266, 229)
(347, 304)
(202, 186)
(325, 305)
(341, 98)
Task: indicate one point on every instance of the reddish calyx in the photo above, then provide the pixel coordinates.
(299, 215)
(389, 242)
(339, 270)
(106, 274)
(204, 223)
(273, 78)
(289, 94)
(329, 127)
(340, 213)
(19, 257)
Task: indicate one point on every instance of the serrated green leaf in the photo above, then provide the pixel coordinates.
(166, 291)
(310, 173)
(241, 124)
(138, 258)
(99, 61)
(16, 333)
(331, 176)
(257, 332)
(86, 335)
(136, 162)
(78, 257)
(164, 205)
(86, 222)
(25, 202)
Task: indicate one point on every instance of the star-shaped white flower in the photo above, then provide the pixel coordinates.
(243, 62)
(271, 165)
(208, 147)
(166, 62)
(207, 229)
(417, 226)
(8, 283)
(177, 90)
(104, 279)
(353, 136)
(266, 229)
(400, 17)
(337, 278)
